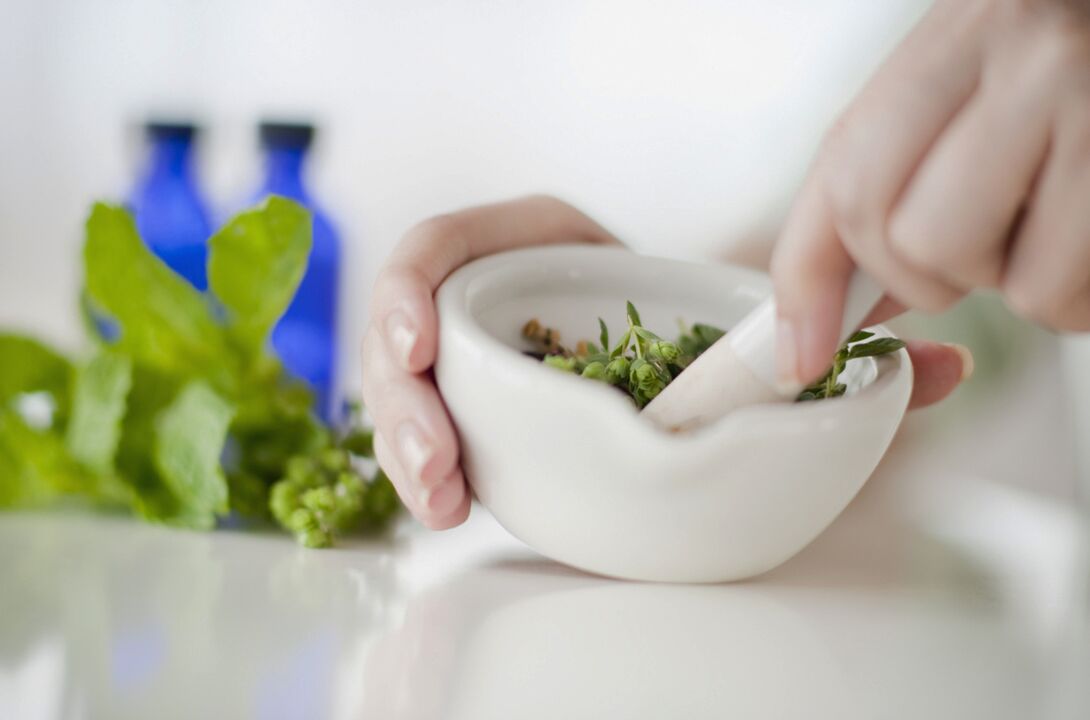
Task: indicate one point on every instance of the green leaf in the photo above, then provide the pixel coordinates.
(709, 334)
(881, 346)
(859, 337)
(35, 468)
(256, 263)
(633, 316)
(645, 334)
(164, 321)
(189, 439)
(98, 406)
(603, 334)
(28, 366)
(620, 348)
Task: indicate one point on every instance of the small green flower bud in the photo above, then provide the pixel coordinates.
(560, 362)
(301, 520)
(645, 379)
(299, 468)
(349, 484)
(334, 459)
(314, 538)
(594, 371)
(664, 349)
(319, 500)
(617, 370)
(282, 500)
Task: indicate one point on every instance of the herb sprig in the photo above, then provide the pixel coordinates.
(642, 364)
(186, 415)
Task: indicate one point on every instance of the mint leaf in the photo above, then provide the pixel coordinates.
(35, 467)
(256, 263)
(98, 405)
(164, 321)
(189, 438)
(28, 366)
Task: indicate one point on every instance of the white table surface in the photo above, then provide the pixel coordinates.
(900, 610)
(954, 586)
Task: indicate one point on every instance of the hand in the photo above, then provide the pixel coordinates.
(415, 441)
(964, 163)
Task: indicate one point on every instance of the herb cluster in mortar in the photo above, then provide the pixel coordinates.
(642, 364)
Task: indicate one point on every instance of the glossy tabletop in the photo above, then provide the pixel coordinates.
(946, 596)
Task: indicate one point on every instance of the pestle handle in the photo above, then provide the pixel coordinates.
(740, 369)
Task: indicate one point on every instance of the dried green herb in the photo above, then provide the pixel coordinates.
(642, 364)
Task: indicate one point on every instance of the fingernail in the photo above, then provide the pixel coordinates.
(442, 498)
(968, 364)
(415, 451)
(787, 358)
(402, 336)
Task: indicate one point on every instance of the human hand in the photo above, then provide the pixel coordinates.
(415, 442)
(964, 163)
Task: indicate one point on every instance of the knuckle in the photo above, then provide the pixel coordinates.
(839, 176)
(927, 300)
(436, 230)
(548, 201)
(904, 234)
(1060, 43)
(373, 372)
(385, 285)
(1065, 52)
(1032, 301)
(440, 236)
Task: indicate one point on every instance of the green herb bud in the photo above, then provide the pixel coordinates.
(560, 362)
(282, 500)
(299, 468)
(319, 500)
(349, 483)
(594, 371)
(302, 520)
(334, 459)
(314, 538)
(617, 370)
(664, 350)
(645, 380)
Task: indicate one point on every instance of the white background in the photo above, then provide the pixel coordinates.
(679, 125)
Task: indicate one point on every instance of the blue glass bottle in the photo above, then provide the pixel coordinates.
(170, 212)
(306, 337)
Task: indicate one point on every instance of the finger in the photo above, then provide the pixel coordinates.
(1047, 278)
(954, 219)
(886, 308)
(387, 460)
(409, 413)
(938, 369)
(868, 158)
(441, 507)
(809, 301)
(447, 505)
(839, 218)
(402, 301)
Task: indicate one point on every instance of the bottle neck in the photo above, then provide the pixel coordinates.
(172, 158)
(284, 172)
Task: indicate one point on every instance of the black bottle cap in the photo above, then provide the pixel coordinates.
(170, 129)
(286, 134)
